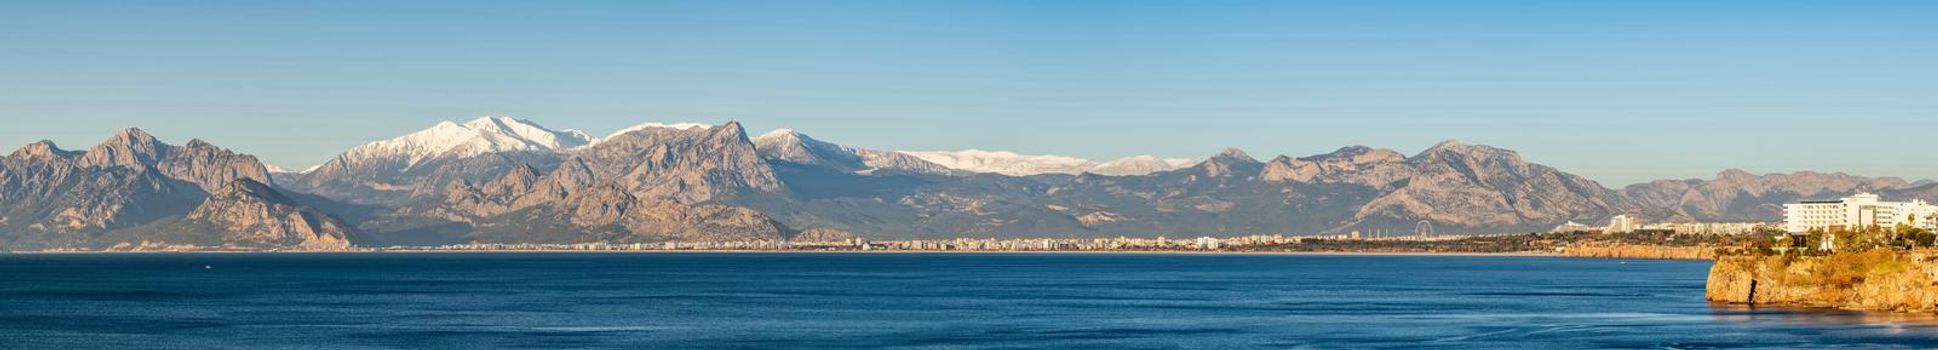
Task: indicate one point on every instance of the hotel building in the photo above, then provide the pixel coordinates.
(1861, 210)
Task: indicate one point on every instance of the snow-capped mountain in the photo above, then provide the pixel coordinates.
(792, 146)
(650, 125)
(418, 163)
(795, 147)
(1011, 163)
(1139, 165)
(475, 137)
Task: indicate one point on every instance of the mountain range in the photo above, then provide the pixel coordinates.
(506, 180)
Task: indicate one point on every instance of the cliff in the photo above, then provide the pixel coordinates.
(1632, 251)
(1881, 280)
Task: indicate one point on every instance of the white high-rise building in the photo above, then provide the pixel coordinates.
(1861, 210)
(1620, 224)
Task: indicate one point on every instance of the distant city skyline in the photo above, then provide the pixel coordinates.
(1616, 92)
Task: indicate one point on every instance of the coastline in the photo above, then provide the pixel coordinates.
(748, 251)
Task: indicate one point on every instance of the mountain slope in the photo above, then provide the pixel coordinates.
(646, 185)
(1470, 187)
(690, 165)
(1736, 195)
(129, 188)
(250, 214)
(419, 164)
(1013, 164)
(791, 146)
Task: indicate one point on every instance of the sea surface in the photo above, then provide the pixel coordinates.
(913, 301)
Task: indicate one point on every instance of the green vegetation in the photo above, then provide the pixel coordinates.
(1823, 242)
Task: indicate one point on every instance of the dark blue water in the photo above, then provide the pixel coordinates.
(663, 300)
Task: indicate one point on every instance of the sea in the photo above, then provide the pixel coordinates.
(895, 301)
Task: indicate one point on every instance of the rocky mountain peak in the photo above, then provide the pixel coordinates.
(1360, 154)
(791, 146)
(1455, 151)
(1734, 174)
(730, 131)
(1230, 162)
(131, 147)
(781, 134)
(691, 164)
(1235, 154)
(43, 150)
(1354, 164)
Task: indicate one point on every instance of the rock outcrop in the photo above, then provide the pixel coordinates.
(1880, 280)
(1635, 251)
(250, 214)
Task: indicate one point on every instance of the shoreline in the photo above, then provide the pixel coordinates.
(746, 251)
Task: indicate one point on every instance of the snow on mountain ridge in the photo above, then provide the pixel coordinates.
(479, 136)
(647, 125)
(1139, 165)
(1015, 164)
(529, 131)
(494, 134)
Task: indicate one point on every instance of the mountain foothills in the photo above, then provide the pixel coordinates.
(504, 180)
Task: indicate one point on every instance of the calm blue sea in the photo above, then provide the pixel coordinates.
(917, 301)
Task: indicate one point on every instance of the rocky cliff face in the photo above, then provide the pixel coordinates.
(197, 162)
(689, 165)
(1876, 280)
(250, 214)
(1632, 251)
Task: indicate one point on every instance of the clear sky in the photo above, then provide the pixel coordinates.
(1618, 91)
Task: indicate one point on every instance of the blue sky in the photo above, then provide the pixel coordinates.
(1618, 91)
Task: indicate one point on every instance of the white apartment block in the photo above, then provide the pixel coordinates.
(1861, 210)
(1621, 224)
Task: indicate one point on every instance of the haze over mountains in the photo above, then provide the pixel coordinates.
(508, 180)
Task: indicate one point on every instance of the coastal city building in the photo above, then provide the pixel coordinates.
(1861, 210)
(1709, 228)
(1625, 224)
(1572, 226)
(1620, 224)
